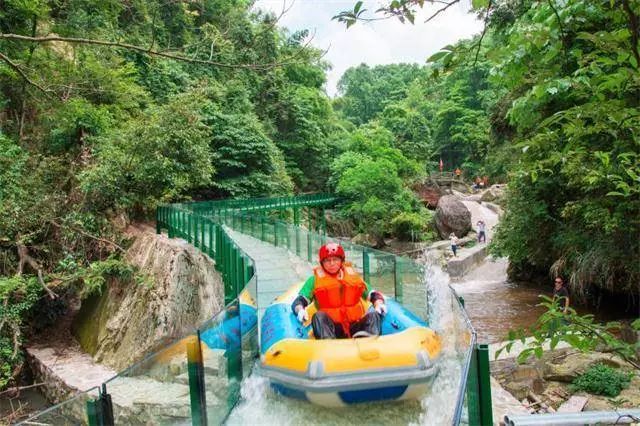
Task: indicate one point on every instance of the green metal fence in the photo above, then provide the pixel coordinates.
(201, 384)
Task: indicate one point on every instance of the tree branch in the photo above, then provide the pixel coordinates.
(439, 11)
(24, 76)
(139, 49)
(86, 234)
(484, 31)
(23, 254)
(563, 34)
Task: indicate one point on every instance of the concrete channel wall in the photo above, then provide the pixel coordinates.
(468, 258)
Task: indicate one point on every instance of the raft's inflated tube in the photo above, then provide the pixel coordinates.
(229, 333)
(399, 364)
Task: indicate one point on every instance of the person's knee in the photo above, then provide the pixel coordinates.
(322, 325)
(320, 318)
(373, 321)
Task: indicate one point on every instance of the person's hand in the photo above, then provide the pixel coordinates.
(380, 307)
(302, 314)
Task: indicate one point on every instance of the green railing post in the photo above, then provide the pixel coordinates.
(397, 278)
(100, 410)
(189, 227)
(473, 391)
(484, 384)
(202, 234)
(196, 233)
(211, 248)
(275, 233)
(323, 221)
(92, 412)
(309, 246)
(172, 223)
(296, 216)
(197, 393)
(365, 265)
(106, 406)
(262, 237)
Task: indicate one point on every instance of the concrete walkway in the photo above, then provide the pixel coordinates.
(277, 269)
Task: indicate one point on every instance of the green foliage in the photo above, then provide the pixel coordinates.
(18, 295)
(581, 332)
(577, 123)
(96, 275)
(367, 91)
(602, 379)
(372, 177)
(410, 226)
(154, 158)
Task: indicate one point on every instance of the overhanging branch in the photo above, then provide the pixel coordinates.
(26, 78)
(143, 50)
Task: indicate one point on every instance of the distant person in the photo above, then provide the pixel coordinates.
(454, 244)
(482, 237)
(458, 172)
(485, 181)
(477, 182)
(561, 294)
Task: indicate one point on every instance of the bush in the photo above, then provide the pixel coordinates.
(602, 380)
(409, 226)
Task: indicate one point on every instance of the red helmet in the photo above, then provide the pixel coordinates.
(331, 249)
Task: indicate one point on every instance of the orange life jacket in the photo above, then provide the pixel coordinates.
(340, 296)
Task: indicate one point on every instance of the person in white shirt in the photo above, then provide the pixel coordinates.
(482, 236)
(454, 243)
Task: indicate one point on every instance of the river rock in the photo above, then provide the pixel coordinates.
(494, 194)
(566, 369)
(452, 216)
(131, 319)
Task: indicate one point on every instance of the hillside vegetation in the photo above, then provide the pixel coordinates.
(109, 108)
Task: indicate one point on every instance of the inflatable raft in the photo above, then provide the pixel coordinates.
(399, 364)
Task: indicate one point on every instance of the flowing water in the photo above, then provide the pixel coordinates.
(261, 405)
(495, 304)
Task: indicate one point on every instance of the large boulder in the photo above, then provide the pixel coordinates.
(131, 319)
(452, 216)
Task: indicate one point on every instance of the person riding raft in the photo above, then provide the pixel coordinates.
(340, 295)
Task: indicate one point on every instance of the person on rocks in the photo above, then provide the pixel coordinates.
(454, 244)
(561, 294)
(341, 296)
(482, 236)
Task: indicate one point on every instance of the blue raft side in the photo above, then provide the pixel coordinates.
(279, 323)
(228, 333)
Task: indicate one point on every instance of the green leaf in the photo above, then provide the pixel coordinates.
(479, 4)
(538, 352)
(438, 55)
